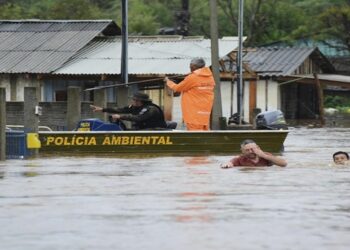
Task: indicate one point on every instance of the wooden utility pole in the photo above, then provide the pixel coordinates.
(168, 103)
(2, 124)
(252, 100)
(73, 107)
(31, 120)
(217, 107)
(320, 99)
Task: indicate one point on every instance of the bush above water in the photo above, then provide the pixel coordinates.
(335, 104)
(336, 101)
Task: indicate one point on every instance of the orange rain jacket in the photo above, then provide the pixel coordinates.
(197, 96)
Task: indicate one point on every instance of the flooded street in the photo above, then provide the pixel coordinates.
(180, 202)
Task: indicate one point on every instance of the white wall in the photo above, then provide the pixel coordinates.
(226, 99)
(226, 90)
(177, 114)
(272, 102)
(22, 81)
(5, 83)
(273, 97)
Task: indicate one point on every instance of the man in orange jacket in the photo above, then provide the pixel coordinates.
(197, 95)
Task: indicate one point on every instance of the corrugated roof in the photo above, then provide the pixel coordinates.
(276, 61)
(283, 61)
(146, 55)
(42, 46)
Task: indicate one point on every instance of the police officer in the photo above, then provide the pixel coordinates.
(142, 113)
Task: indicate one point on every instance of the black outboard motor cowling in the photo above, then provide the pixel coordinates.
(271, 120)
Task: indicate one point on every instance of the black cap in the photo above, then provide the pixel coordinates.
(140, 96)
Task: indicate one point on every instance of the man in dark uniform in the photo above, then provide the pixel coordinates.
(142, 113)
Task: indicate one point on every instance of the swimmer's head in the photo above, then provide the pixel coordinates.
(340, 157)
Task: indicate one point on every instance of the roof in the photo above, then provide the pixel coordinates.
(41, 46)
(329, 47)
(334, 78)
(146, 55)
(283, 61)
(341, 64)
(328, 80)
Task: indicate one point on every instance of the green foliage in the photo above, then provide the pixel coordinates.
(344, 110)
(335, 23)
(264, 20)
(336, 102)
(12, 11)
(290, 17)
(77, 9)
(50, 9)
(142, 19)
(200, 18)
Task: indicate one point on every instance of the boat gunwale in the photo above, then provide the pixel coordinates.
(166, 132)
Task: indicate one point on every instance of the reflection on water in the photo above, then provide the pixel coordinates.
(180, 202)
(195, 207)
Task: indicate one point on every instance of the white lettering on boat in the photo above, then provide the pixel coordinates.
(70, 141)
(107, 140)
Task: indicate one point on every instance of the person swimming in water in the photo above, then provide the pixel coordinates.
(253, 156)
(341, 158)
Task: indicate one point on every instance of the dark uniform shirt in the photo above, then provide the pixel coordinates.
(148, 116)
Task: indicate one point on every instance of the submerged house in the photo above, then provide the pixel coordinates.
(55, 55)
(334, 50)
(31, 50)
(150, 59)
(271, 89)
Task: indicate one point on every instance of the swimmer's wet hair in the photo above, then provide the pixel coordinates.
(341, 153)
(247, 141)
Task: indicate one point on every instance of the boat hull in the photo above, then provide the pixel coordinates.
(223, 142)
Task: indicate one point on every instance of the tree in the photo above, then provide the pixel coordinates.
(264, 20)
(335, 23)
(72, 9)
(12, 11)
(50, 9)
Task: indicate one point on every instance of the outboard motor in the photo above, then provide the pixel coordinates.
(97, 125)
(271, 120)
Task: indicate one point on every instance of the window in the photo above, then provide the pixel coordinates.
(61, 96)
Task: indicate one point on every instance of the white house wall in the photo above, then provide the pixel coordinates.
(273, 97)
(5, 83)
(272, 102)
(21, 82)
(226, 90)
(226, 99)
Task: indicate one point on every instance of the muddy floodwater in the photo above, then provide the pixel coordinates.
(180, 202)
